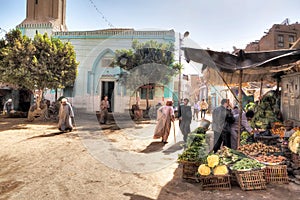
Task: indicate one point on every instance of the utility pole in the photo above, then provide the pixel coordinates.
(186, 34)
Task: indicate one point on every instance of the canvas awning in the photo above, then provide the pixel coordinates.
(225, 68)
(256, 66)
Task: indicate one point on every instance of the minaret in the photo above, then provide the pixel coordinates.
(44, 16)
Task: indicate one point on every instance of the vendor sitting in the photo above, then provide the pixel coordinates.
(138, 113)
(8, 106)
(288, 125)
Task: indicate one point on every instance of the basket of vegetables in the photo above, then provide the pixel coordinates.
(194, 155)
(213, 175)
(249, 174)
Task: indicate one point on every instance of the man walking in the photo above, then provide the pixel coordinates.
(66, 116)
(203, 108)
(196, 110)
(185, 118)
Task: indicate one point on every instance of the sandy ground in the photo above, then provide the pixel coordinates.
(38, 162)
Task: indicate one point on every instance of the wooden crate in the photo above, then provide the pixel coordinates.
(215, 182)
(251, 180)
(190, 169)
(276, 174)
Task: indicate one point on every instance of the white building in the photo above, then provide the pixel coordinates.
(95, 52)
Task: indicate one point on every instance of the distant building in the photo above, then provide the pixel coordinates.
(195, 87)
(280, 36)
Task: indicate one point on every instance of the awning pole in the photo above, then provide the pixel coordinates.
(228, 86)
(260, 92)
(240, 107)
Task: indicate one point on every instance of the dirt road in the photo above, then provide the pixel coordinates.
(38, 162)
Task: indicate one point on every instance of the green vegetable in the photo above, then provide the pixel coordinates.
(247, 164)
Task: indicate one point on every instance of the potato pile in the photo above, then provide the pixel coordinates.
(271, 159)
(257, 149)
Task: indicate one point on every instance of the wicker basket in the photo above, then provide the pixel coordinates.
(190, 169)
(251, 180)
(215, 182)
(296, 160)
(276, 174)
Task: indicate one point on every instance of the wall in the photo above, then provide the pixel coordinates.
(290, 97)
(91, 47)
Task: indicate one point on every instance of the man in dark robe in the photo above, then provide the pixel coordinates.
(185, 119)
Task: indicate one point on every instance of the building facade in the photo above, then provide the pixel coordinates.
(280, 36)
(95, 53)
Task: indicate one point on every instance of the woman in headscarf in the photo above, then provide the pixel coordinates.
(8, 106)
(165, 115)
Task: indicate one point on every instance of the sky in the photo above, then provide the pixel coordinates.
(215, 24)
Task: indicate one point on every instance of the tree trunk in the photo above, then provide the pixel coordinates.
(55, 94)
(147, 98)
(39, 108)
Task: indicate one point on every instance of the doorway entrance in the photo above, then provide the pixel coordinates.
(108, 90)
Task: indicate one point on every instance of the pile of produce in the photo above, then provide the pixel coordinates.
(212, 167)
(228, 156)
(266, 111)
(294, 142)
(247, 164)
(258, 148)
(197, 148)
(278, 129)
(250, 106)
(270, 160)
(245, 138)
(200, 130)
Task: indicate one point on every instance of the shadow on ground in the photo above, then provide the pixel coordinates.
(153, 147)
(46, 135)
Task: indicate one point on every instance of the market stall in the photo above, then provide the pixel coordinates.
(242, 67)
(253, 166)
(261, 158)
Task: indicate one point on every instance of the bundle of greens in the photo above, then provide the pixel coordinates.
(196, 148)
(229, 156)
(247, 164)
(266, 111)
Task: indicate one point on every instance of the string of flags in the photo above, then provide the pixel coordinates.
(102, 15)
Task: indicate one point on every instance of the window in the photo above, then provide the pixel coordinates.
(291, 39)
(145, 89)
(280, 41)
